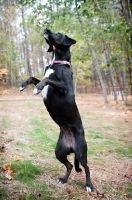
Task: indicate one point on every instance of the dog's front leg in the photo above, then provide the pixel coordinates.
(30, 80)
(55, 84)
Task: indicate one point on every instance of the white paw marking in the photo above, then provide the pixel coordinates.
(35, 91)
(21, 88)
(88, 189)
(59, 181)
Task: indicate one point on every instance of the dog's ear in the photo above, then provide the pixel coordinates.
(50, 49)
(68, 41)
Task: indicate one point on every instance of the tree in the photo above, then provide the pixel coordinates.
(102, 29)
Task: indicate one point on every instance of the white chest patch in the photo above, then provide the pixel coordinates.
(45, 90)
(48, 72)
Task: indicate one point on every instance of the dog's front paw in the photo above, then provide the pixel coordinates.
(39, 87)
(36, 91)
(22, 87)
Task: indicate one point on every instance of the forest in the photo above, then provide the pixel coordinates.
(101, 58)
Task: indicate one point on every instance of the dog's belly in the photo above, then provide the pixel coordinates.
(44, 92)
(67, 138)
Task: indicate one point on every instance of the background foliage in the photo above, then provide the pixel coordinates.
(102, 29)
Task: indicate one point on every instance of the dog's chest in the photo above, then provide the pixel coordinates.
(45, 90)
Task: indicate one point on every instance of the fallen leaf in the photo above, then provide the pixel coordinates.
(128, 176)
(100, 194)
(7, 167)
(128, 112)
(9, 175)
(16, 158)
(68, 190)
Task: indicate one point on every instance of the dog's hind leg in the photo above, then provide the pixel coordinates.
(76, 164)
(61, 153)
(89, 186)
(81, 154)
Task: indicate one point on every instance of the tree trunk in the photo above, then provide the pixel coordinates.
(95, 61)
(118, 74)
(75, 78)
(107, 56)
(27, 56)
(126, 9)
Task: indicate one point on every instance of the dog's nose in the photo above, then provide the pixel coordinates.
(46, 30)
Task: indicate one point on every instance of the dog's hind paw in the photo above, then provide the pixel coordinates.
(78, 170)
(88, 189)
(61, 181)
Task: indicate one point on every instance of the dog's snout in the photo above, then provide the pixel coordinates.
(46, 30)
(46, 33)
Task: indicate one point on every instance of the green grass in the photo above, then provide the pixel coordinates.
(98, 137)
(124, 151)
(20, 144)
(30, 104)
(5, 122)
(113, 192)
(100, 143)
(4, 193)
(43, 135)
(107, 127)
(25, 171)
(42, 191)
(129, 189)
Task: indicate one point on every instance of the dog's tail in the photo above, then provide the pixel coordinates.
(76, 164)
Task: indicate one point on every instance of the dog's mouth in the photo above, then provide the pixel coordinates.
(46, 36)
(46, 33)
(50, 36)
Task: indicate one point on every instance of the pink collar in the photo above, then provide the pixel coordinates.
(62, 62)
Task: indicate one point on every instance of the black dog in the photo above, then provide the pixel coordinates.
(58, 96)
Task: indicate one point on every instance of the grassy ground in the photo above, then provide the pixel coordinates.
(28, 136)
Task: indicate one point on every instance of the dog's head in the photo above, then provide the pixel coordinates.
(56, 40)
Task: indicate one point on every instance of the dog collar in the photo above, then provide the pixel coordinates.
(61, 62)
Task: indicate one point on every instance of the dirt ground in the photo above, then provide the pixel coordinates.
(118, 171)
